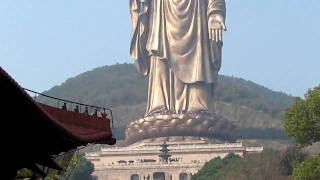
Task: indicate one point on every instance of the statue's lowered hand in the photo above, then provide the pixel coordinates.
(216, 26)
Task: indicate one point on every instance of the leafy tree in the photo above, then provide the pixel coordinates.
(253, 166)
(308, 169)
(291, 156)
(82, 170)
(302, 123)
(213, 168)
(302, 119)
(77, 168)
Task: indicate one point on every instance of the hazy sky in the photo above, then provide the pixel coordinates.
(275, 43)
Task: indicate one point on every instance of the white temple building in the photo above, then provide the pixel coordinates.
(141, 161)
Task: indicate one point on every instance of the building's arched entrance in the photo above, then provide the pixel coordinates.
(183, 176)
(135, 177)
(159, 176)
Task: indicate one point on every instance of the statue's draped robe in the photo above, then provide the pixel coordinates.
(171, 44)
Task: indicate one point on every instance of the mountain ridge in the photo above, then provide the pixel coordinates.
(121, 88)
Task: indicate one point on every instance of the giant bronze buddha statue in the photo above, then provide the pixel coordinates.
(178, 45)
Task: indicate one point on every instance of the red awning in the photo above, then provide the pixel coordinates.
(87, 128)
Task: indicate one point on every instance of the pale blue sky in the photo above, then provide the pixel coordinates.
(43, 42)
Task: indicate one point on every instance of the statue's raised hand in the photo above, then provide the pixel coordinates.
(216, 26)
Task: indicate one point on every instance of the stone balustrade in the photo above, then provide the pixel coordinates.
(174, 147)
(156, 165)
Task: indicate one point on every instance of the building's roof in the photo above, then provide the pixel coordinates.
(32, 133)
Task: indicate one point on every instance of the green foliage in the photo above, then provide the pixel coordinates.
(240, 133)
(291, 156)
(121, 84)
(302, 119)
(302, 123)
(242, 92)
(24, 173)
(215, 168)
(78, 168)
(259, 133)
(253, 166)
(308, 169)
(123, 89)
(107, 86)
(82, 171)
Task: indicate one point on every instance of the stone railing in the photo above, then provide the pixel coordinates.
(148, 165)
(174, 147)
(186, 142)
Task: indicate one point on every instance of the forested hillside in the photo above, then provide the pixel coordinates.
(120, 87)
